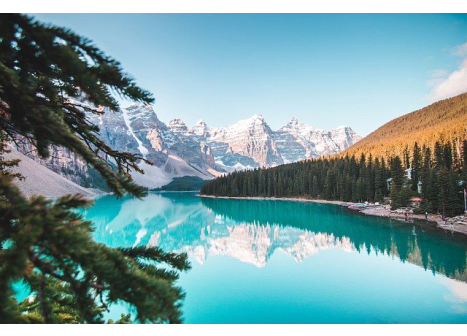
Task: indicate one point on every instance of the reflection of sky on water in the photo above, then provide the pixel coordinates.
(183, 223)
(457, 294)
(321, 263)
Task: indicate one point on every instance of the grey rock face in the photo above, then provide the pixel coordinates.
(175, 150)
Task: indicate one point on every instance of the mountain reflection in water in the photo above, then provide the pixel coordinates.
(252, 231)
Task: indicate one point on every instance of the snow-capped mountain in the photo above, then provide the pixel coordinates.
(206, 152)
(177, 150)
(170, 148)
(297, 141)
(251, 143)
(248, 143)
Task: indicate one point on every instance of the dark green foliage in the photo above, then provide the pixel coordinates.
(343, 179)
(53, 302)
(416, 166)
(445, 256)
(402, 197)
(45, 74)
(185, 183)
(397, 182)
(358, 180)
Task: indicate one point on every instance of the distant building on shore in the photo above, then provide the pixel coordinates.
(408, 174)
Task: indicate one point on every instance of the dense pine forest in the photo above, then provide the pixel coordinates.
(438, 175)
(423, 153)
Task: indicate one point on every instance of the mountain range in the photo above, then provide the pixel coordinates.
(177, 150)
(202, 151)
(206, 152)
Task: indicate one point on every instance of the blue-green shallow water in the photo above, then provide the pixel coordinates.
(291, 262)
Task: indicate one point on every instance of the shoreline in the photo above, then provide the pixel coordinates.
(378, 210)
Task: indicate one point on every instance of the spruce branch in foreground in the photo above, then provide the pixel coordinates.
(50, 79)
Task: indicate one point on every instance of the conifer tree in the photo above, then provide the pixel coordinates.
(379, 181)
(416, 166)
(442, 186)
(348, 179)
(439, 155)
(46, 75)
(397, 175)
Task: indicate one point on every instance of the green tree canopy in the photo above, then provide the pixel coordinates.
(50, 79)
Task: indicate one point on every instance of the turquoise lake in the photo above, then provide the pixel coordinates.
(291, 262)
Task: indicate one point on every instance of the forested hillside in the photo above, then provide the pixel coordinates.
(443, 121)
(421, 154)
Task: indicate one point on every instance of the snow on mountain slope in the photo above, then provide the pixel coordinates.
(39, 180)
(251, 143)
(248, 142)
(143, 150)
(177, 126)
(153, 177)
(200, 129)
(176, 150)
(173, 152)
(297, 139)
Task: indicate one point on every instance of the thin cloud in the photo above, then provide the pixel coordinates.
(437, 77)
(461, 50)
(448, 85)
(438, 73)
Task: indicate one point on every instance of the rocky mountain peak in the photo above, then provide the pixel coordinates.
(200, 128)
(293, 121)
(204, 151)
(137, 110)
(297, 127)
(177, 125)
(256, 119)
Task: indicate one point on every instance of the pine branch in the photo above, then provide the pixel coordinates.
(45, 74)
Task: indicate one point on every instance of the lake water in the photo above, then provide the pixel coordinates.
(291, 262)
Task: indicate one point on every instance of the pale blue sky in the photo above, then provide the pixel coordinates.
(325, 70)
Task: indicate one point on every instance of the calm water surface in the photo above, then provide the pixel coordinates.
(290, 262)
